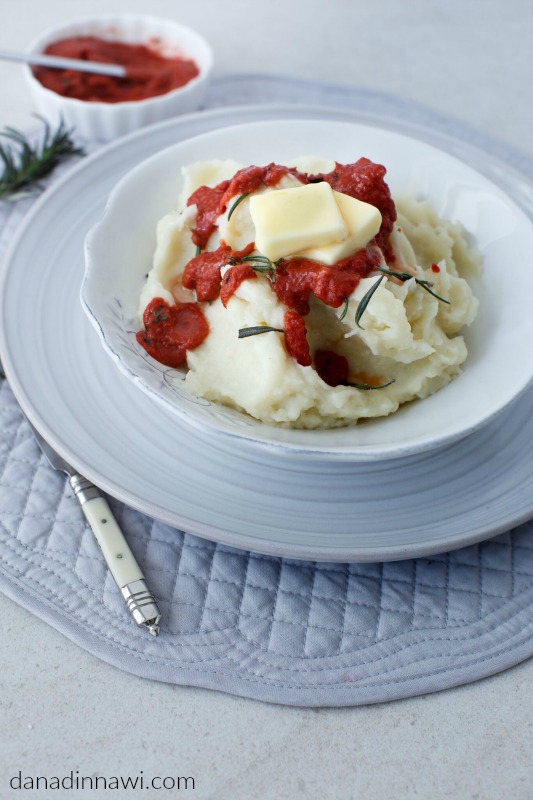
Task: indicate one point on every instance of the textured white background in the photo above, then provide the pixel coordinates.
(62, 709)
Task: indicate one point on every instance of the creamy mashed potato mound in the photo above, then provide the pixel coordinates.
(406, 346)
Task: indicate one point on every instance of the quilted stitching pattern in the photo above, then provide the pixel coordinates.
(257, 615)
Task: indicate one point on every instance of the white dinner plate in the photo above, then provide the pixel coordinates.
(140, 453)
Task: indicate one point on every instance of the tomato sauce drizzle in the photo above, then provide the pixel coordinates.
(248, 179)
(296, 338)
(207, 201)
(202, 273)
(331, 367)
(169, 331)
(232, 279)
(212, 202)
(364, 180)
(296, 279)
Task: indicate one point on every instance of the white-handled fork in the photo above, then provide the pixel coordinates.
(127, 574)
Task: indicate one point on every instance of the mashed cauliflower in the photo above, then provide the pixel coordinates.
(405, 345)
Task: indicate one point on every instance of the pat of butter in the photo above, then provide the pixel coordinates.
(363, 222)
(289, 220)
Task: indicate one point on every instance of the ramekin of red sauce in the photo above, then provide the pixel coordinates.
(167, 71)
(148, 74)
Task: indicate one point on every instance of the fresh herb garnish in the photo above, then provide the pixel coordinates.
(157, 312)
(27, 163)
(365, 301)
(236, 203)
(256, 329)
(366, 386)
(405, 276)
(345, 309)
(260, 264)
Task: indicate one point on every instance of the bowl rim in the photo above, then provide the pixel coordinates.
(36, 45)
(351, 452)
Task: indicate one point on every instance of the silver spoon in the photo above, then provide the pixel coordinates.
(57, 62)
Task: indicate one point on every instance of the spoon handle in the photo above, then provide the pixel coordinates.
(57, 62)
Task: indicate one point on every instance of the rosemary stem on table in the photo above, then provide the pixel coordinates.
(26, 164)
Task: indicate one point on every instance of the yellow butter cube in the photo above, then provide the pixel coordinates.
(289, 220)
(363, 222)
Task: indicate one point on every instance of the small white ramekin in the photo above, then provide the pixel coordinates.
(106, 121)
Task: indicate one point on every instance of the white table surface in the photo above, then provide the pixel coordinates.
(60, 708)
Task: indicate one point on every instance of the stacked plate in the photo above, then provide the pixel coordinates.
(441, 473)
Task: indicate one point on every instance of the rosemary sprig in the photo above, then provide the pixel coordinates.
(256, 329)
(405, 276)
(345, 308)
(26, 164)
(366, 386)
(260, 264)
(365, 301)
(236, 203)
(158, 314)
(264, 268)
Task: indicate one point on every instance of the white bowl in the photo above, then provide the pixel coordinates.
(106, 121)
(500, 362)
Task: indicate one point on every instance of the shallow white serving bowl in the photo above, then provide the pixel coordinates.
(119, 251)
(106, 121)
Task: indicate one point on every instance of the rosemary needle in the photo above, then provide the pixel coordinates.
(25, 163)
(367, 386)
(236, 203)
(405, 276)
(344, 309)
(256, 329)
(365, 301)
(258, 263)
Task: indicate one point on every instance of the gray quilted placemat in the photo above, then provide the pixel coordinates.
(274, 629)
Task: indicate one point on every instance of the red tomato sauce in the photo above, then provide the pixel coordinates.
(202, 273)
(148, 74)
(248, 179)
(207, 201)
(298, 278)
(172, 330)
(334, 370)
(296, 338)
(212, 202)
(295, 279)
(364, 180)
(332, 367)
(232, 280)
